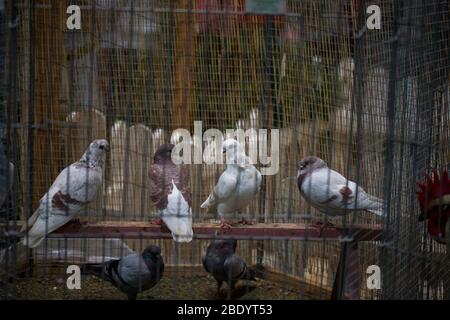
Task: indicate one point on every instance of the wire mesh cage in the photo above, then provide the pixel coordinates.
(374, 104)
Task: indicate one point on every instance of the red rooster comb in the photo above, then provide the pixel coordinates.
(433, 192)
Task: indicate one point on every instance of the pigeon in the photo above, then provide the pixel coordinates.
(171, 193)
(237, 186)
(133, 273)
(74, 188)
(6, 176)
(331, 193)
(221, 261)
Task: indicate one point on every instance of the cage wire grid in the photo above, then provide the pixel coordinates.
(374, 104)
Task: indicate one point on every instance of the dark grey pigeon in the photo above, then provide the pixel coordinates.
(6, 176)
(132, 274)
(221, 261)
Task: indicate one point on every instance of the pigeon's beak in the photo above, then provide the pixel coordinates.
(107, 148)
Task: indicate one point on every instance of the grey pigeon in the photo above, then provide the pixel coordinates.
(74, 188)
(6, 176)
(330, 192)
(171, 193)
(221, 261)
(132, 274)
(238, 184)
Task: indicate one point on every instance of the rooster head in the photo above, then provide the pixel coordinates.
(434, 202)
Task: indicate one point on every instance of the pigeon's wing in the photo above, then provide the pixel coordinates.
(352, 197)
(158, 186)
(183, 183)
(160, 183)
(329, 189)
(224, 188)
(213, 263)
(72, 190)
(235, 267)
(205, 258)
(134, 272)
(322, 186)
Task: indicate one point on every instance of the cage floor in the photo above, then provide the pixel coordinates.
(52, 285)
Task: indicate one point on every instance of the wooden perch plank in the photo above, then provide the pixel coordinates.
(137, 230)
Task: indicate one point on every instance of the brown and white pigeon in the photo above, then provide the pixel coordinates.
(238, 184)
(331, 193)
(74, 188)
(224, 265)
(132, 274)
(171, 193)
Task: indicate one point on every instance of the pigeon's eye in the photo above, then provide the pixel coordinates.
(102, 147)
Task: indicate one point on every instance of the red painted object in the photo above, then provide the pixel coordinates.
(434, 201)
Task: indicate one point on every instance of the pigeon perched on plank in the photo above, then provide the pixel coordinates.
(237, 186)
(223, 264)
(331, 193)
(74, 188)
(132, 274)
(6, 176)
(171, 193)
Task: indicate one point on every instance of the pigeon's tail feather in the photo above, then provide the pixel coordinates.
(32, 242)
(207, 203)
(250, 274)
(94, 269)
(181, 238)
(178, 216)
(377, 206)
(30, 221)
(379, 212)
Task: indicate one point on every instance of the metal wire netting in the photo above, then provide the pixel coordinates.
(374, 104)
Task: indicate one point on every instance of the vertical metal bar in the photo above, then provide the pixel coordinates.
(348, 276)
(387, 255)
(268, 70)
(11, 117)
(30, 116)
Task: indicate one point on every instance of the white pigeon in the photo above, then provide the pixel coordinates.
(74, 188)
(171, 193)
(331, 193)
(238, 184)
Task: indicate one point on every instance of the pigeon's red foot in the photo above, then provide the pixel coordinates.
(225, 224)
(322, 226)
(157, 221)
